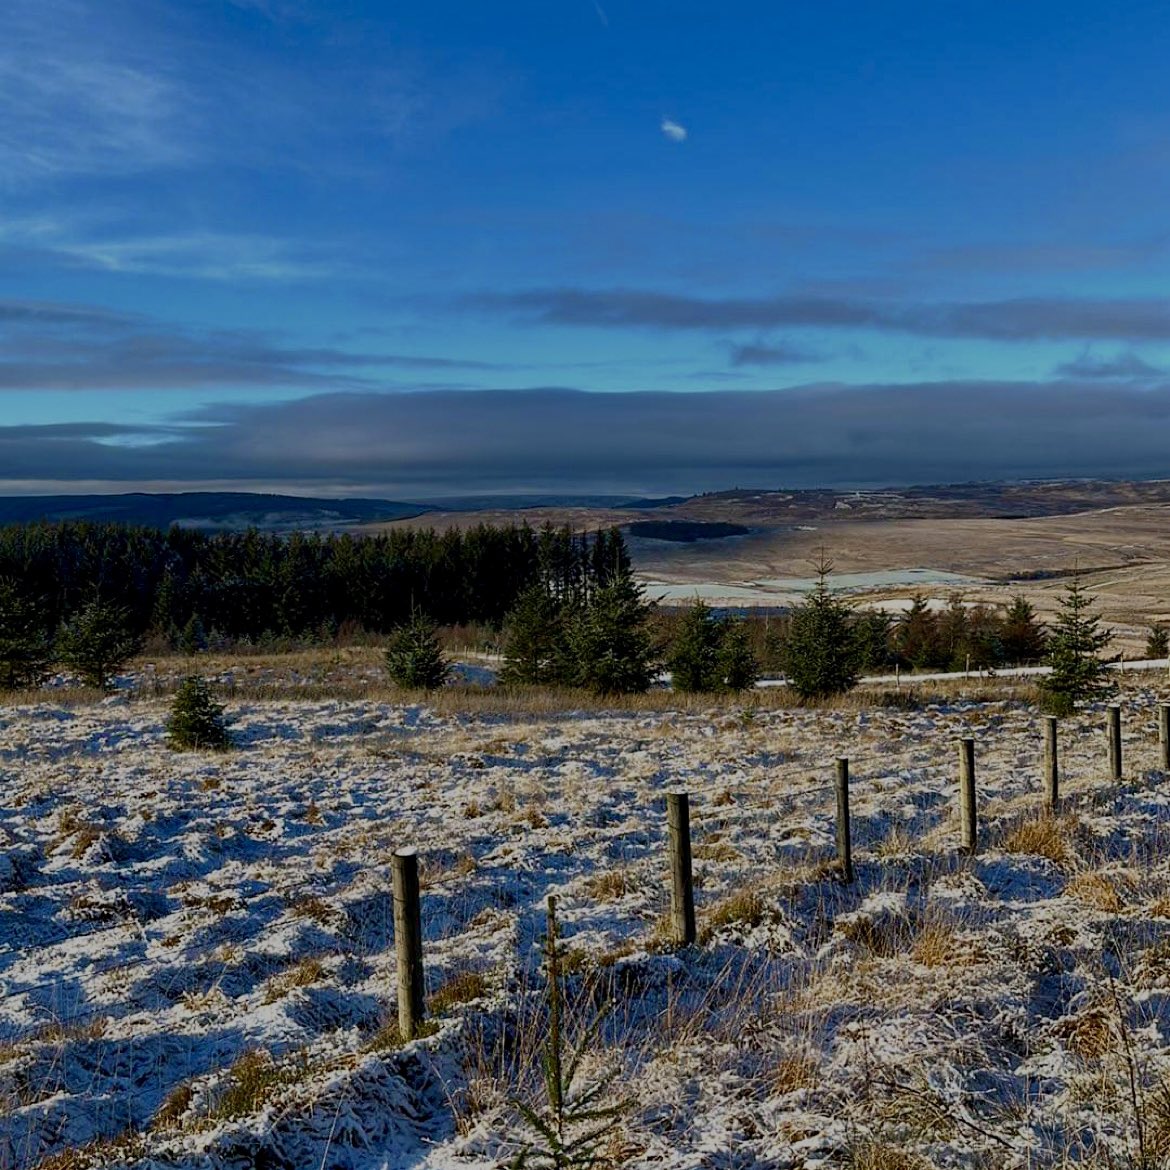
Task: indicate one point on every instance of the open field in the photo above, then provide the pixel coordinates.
(198, 970)
(989, 542)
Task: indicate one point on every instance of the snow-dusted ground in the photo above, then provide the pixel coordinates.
(162, 915)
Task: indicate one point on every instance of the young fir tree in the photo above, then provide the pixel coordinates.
(414, 658)
(737, 665)
(1074, 646)
(1158, 642)
(533, 639)
(196, 722)
(1022, 635)
(694, 662)
(97, 642)
(917, 638)
(569, 1129)
(193, 638)
(820, 653)
(609, 645)
(25, 648)
(873, 629)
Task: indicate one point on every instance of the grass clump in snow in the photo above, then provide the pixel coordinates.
(308, 971)
(458, 989)
(744, 909)
(250, 1082)
(1043, 836)
(1097, 890)
(872, 1154)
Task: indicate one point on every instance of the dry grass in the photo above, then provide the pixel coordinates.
(937, 945)
(1098, 890)
(1043, 836)
(792, 1073)
(744, 909)
(308, 971)
(608, 885)
(461, 988)
(873, 1154)
(1089, 1034)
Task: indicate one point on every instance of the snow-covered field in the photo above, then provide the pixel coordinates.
(197, 963)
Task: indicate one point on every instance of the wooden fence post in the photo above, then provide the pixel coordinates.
(682, 889)
(1051, 765)
(1113, 730)
(844, 841)
(408, 942)
(1164, 735)
(967, 821)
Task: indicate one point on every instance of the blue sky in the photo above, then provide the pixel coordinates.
(358, 247)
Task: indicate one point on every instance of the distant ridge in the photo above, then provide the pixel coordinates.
(232, 511)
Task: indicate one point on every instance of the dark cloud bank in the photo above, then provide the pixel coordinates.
(441, 442)
(1018, 319)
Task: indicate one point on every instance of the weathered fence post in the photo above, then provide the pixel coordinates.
(1051, 765)
(1164, 735)
(1113, 730)
(844, 842)
(408, 942)
(682, 888)
(967, 795)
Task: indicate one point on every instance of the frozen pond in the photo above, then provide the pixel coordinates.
(783, 590)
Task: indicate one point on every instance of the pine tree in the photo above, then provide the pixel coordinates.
(738, 667)
(414, 658)
(97, 642)
(25, 647)
(916, 638)
(192, 639)
(533, 639)
(1023, 636)
(694, 657)
(1158, 642)
(820, 653)
(196, 722)
(1078, 673)
(872, 629)
(610, 648)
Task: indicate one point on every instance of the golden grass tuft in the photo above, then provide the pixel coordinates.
(1042, 837)
(1096, 890)
(608, 885)
(872, 1154)
(308, 971)
(1089, 1034)
(744, 908)
(791, 1073)
(458, 989)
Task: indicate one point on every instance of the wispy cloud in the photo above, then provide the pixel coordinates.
(673, 130)
(1022, 319)
(78, 98)
(770, 355)
(49, 346)
(1121, 366)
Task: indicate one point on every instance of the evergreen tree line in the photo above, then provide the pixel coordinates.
(189, 586)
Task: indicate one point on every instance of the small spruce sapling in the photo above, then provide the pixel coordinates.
(569, 1128)
(414, 658)
(97, 642)
(25, 648)
(196, 722)
(1158, 642)
(820, 653)
(739, 668)
(1078, 674)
